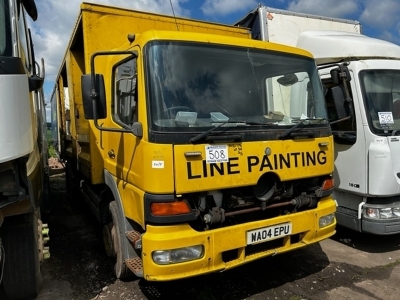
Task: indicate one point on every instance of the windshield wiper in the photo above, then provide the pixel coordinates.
(206, 133)
(301, 123)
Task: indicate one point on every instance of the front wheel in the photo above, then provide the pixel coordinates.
(22, 278)
(112, 236)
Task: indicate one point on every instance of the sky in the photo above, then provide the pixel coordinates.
(51, 32)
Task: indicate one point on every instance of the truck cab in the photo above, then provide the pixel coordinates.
(368, 193)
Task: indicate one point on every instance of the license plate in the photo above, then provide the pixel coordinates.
(268, 233)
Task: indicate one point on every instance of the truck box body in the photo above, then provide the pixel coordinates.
(282, 26)
(367, 185)
(185, 175)
(339, 46)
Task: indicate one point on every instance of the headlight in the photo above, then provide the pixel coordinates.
(174, 256)
(386, 213)
(382, 213)
(326, 220)
(396, 211)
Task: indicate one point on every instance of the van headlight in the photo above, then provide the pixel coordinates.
(174, 256)
(380, 212)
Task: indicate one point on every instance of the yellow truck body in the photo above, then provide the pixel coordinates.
(193, 191)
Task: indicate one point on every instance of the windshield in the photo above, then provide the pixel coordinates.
(5, 30)
(381, 92)
(193, 87)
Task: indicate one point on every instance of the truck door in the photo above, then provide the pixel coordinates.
(119, 147)
(349, 140)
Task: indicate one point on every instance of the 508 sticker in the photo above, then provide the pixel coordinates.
(217, 154)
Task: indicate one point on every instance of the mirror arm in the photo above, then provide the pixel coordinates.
(343, 77)
(348, 99)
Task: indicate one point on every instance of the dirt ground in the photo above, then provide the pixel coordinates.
(348, 266)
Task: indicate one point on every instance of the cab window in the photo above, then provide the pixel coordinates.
(125, 95)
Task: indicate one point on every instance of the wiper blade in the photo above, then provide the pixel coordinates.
(301, 123)
(206, 133)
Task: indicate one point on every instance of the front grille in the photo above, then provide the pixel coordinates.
(257, 248)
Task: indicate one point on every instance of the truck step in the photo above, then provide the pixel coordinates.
(135, 265)
(135, 238)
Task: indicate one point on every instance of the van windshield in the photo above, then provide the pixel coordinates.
(381, 92)
(193, 85)
(5, 29)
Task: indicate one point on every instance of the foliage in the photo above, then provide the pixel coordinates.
(51, 150)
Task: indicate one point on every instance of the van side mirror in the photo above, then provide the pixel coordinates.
(339, 102)
(98, 111)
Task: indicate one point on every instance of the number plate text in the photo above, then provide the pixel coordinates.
(268, 233)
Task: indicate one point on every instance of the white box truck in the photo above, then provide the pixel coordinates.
(24, 172)
(361, 77)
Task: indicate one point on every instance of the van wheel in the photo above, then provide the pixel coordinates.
(112, 235)
(22, 278)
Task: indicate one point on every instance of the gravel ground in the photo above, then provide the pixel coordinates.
(348, 266)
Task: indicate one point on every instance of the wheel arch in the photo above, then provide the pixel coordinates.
(127, 249)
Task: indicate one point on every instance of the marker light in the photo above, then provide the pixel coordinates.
(170, 208)
(327, 184)
(372, 213)
(326, 188)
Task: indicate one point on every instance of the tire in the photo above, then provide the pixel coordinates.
(22, 278)
(115, 227)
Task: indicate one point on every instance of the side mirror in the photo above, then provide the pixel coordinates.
(98, 111)
(339, 102)
(35, 83)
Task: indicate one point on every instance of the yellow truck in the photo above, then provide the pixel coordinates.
(191, 142)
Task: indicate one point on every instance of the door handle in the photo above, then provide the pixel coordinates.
(111, 153)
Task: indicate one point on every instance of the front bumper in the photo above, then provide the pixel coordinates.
(226, 248)
(381, 227)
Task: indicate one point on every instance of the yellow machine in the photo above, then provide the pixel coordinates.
(192, 143)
